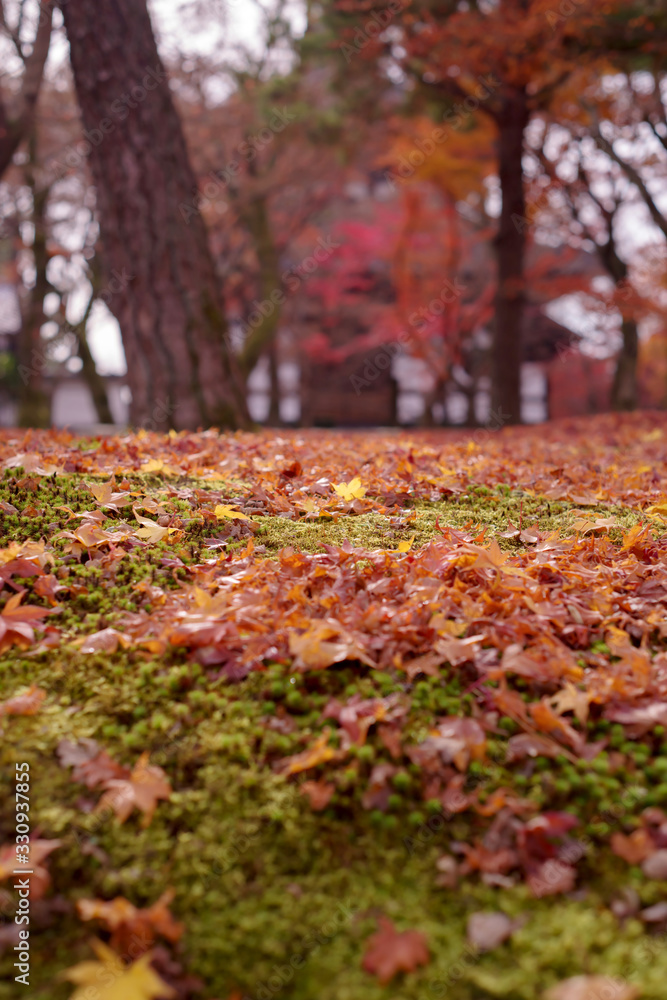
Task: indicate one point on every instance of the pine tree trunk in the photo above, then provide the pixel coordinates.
(160, 277)
(510, 251)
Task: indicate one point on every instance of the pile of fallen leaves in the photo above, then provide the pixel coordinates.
(508, 680)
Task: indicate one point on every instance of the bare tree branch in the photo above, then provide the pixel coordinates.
(634, 176)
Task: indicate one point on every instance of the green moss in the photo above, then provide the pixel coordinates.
(260, 878)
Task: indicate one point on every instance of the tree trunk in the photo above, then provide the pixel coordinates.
(34, 406)
(93, 379)
(510, 247)
(274, 419)
(266, 310)
(624, 388)
(160, 277)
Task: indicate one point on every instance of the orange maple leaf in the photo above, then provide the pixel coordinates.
(142, 789)
(27, 703)
(128, 923)
(318, 753)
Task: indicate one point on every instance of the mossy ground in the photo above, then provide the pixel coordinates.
(259, 877)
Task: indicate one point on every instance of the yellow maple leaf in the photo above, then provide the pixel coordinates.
(224, 510)
(658, 509)
(150, 530)
(350, 491)
(406, 545)
(633, 536)
(111, 979)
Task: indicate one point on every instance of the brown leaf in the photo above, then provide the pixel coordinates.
(389, 951)
(144, 787)
(376, 796)
(634, 848)
(319, 793)
(28, 703)
(106, 641)
(48, 587)
(318, 753)
(92, 765)
(40, 879)
(322, 644)
(130, 924)
(552, 878)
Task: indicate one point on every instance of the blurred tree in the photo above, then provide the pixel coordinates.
(158, 265)
(606, 154)
(509, 57)
(17, 104)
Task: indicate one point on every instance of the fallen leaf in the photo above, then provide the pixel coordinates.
(92, 765)
(406, 544)
(40, 880)
(224, 511)
(109, 978)
(592, 988)
(319, 793)
(389, 951)
(351, 491)
(486, 931)
(634, 848)
(28, 703)
(585, 526)
(318, 753)
(151, 531)
(655, 866)
(142, 789)
(129, 923)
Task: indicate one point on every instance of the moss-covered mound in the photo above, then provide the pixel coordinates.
(290, 657)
